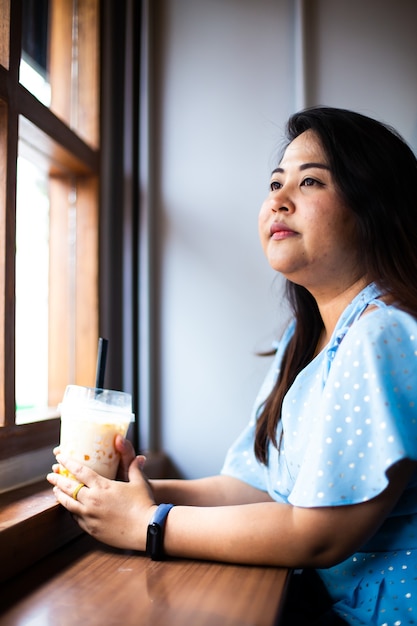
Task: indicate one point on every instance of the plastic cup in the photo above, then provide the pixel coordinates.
(90, 420)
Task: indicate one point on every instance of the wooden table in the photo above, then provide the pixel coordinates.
(88, 584)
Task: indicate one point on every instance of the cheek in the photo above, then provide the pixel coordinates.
(263, 216)
(263, 227)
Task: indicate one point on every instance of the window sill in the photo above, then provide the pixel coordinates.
(33, 524)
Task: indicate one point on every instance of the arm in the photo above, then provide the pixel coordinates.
(267, 533)
(207, 492)
(281, 534)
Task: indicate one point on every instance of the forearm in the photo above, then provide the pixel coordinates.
(266, 533)
(258, 534)
(222, 519)
(212, 491)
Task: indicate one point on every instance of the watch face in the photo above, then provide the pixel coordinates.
(154, 541)
(155, 534)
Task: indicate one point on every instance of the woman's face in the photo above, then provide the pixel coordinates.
(306, 231)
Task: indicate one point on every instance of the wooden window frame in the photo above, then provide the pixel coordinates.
(32, 524)
(65, 148)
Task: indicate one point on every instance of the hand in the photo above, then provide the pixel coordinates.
(114, 512)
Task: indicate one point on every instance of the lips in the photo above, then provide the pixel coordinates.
(280, 231)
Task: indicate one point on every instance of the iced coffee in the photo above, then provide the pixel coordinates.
(90, 420)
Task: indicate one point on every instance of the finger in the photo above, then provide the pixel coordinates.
(121, 444)
(141, 459)
(135, 469)
(65, 484)
(70, 503)
(65, 488)
(139, 479)
(127, 454)
(126, 450)
(81, 473)
(61, 481)
(59, 469)
(75, 495)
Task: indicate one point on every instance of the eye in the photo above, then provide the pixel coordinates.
(310, 182)
(275, 185)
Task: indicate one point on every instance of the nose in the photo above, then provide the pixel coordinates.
(282, 208)
(282, 199)
(281, 202)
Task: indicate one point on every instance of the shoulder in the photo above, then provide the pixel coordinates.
(382, 342)
(383, 322)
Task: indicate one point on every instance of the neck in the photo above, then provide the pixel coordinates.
(331, 306)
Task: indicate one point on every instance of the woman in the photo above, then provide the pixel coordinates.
(324, 477)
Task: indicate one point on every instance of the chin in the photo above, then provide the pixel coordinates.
(281, 265)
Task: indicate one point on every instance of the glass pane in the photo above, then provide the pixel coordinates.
(59, 62)
(32, 272)
(56, 274)
(34, 66)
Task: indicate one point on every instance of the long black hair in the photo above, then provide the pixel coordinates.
(375, 172)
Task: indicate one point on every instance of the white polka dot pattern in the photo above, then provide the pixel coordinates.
(347, 418)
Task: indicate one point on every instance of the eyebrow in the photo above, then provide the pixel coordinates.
(304, 166)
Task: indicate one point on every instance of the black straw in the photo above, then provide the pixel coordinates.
(101, 362)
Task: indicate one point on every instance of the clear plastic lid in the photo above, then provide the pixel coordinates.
(91, 398)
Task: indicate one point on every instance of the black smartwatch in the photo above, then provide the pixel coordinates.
(155, 534)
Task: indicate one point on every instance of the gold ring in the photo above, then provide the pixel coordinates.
(76, 490)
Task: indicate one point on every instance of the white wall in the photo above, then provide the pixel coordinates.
(226, 81)
(364, 57)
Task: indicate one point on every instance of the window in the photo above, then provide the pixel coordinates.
(49, 188)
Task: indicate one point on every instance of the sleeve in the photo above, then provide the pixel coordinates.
(367, 413)
(240, 461)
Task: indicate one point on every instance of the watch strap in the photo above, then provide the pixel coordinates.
(155, 534)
